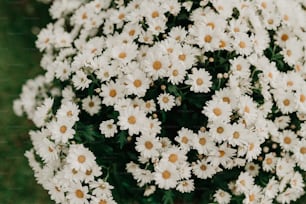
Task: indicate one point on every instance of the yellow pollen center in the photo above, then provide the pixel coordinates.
(242, 182)
(236, 135)
(202, 141)
(203, 167)
(208, 38)
(303, 150)
(122, 55)
(247, 109)
(166, 174)
(84, 16)
(88, 172)
(157, 65)
(287, 140)
(175, 73)
(182, 57)
(284, 37)
(81, 159)
(74, 172)
(103, 202)
(69, 114)
(264, 5)
(173, 158)
(221, 153)
(251, 146)
(50, 149)
(236, 30)
(289, 53)
(217, 111)
(222, 44)
(63, 129)
(199, 81)
(238, 67)
(211, 24)
(226, 100)
(165, 99)
(286, 102)
(286, 17)
(184, 140)
(155, 14)
(112, 93)
(137, 83)
(91, 104)
(132, 120)
(132, 32)
(242, 44)
(220, 130)
(269, 161)
(302, 98)
(79, 193)
(148, 145)
(289, 83)
(251, 197)
(121, 16)
(270, 21)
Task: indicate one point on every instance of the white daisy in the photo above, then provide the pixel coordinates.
(203, 170)
(203, 143)
(111, 93)
(108, 128)
(185, 186)
(137, 83)
(132, 119)
(91, 104)
(148, 145)
(185, 138)
(68, 110)
(222, 197)
(217, 111)
(245, 182)
(166, 101)
(199, 80)
(80, 158)
(78, 194)
(166, 175)
(61, 130)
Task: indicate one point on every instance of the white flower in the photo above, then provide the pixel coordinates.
(185, 186)
(111, 93)
(78, 194)
(203, 170)
(69, 111)
(166, 101)
(222, 197)
(245, 182)
(80, 158)
(200, 81)
(217, 111)
(108, 128)
(166, 175)
(148, 145)
(91, 104)
(131, 119)
(137, 83)
(61, 130)
(80, 80)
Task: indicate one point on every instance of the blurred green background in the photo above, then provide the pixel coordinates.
(19, 61)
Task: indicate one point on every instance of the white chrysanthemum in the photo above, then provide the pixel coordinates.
(108, 128)
(217, 111)
(166, 175)
(131, 119)
(148, 145)
(80, 158)
(203, 170)
(78, 194)
(61, 130)
(185, 186)
(166, 101)
(68, 110)
(199, 80)
(245, 182)
(91, 104)
(222, 197)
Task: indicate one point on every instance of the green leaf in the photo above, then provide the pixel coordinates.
(122, 138)
(168, 197)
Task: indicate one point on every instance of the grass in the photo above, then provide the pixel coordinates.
(19, 61)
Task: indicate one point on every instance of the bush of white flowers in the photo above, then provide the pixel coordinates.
(174, 101)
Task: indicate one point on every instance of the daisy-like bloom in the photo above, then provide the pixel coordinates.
(217, 111)
(301, 99)
(111, 93)
(297, 182)
(222, 197)
(272, 188)
(222, 156)
(166, 175)
(148, 145)
(203, 143)
(226, 95)
(185, 186)
(166, 101)
(240, 66)
(149, 106)
(80, 158)
(149, 190)
(253, 147)
(68, 110)
(245, 182)
(80, 80)
(143, 176)
(101, 188)
(219, 131)
(61, 130)
(288, 140)
(78, 194)
(102, 199)
(185, 138)
(178, 33)
(203, 169)
(283, 34)
(185, 55)
(108, 128)
(284, 166)
(124, 53)
(137, 83)
(48, 150)
(45, 38)
(91, 104)
(174, 155)
(56, 190)
(243, 44)
(289, 195)
(132, 119)
(176, 73)
(42, 113)
(253, 196)
(237, 134)
(247, 109)
(300, 150)
(252, 168)
(292, 51)
(286, 101)
(152, 127)
(155, 63)
(269, 163)
(199, 80)
(282, 121)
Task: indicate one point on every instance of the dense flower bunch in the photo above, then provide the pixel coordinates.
(188, 100)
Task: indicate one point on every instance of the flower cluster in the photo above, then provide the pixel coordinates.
(203, 98)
